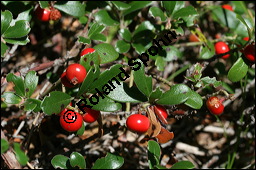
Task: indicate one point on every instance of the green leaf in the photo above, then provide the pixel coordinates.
(238, 70)
(172, 53)
(24, 15)
(4, 49)
(90, 59)
(44, 4)
(31, 81)
(60, 161)
(143, 82)
(121, 5)
(83, 20)
(156, 94)
(178, 94)
(239, 7)
(154, 153)
(6, 19)
(106, 77)
(99, 37)
(136, 5)
(20, 29)
(213, 81)
(208, 51)
(107, 105)
(107, 52)
(172, 6)
(18, 82)
(110, 161)
(11, 98)
(84, 40)
(20, 155)
(157, 12)
(74, 8)
(76, 159)
(92, 74)
(188, 14)
(183, 165)
(125, 34)
(102, 16)
(32, 105)
(160, 63)
(19, 41)
(60, 100)
(95, 29)
(81, 130)
(122, 46)
(243, 21)
(145, 25)
(4, 146)
(122, 93)
(194, 100)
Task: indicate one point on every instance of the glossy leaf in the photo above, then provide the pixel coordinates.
(188, 14)
(107, 52)
(90, 60)
(4, 49)
(194, 100)
(178, 94)
(95, 29)
(154, 153)
(122, 46)
(18, 82)
(238, 70)
(239, 7)
(60, 100)
(172, 53)
(183, 165)
(207, 80)
(110, 161)
(81, 130)
(31, 81)
(11, 98)
(156, 94)
(76, 159)
(32, 105)
(6, 19)
(102, 16)
(208, 51)
(60, 161)
(20, 155)
(122, 93)
(84, 40)
(44, 4)
(136, 5)
(157, 12)
(160, 63)
(125, 34)
(143, 82)
(19, 41)
(121, 5)
(4, 146)
(99, 37)
(20, 29)
(172, 6)
(107, 105)
(74, 8)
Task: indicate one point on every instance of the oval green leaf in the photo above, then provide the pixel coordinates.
(121, 5)
(107, 105)
(20, 155)
(76, 159)
(6, 19)
(183, 165)
(136, 5)
(4, 146)
(20, 29)
(110, 161)
(194, 100)
(32, 105)
(90, 60)
(102, 16)
(11, 98)
(74, 8)
(4, 49)
(172, 6)
(31, 81)
(122, 46)
(154, 153)
(107, 52)
(125, 34)
(95, 29)
(157, 12)
(60, 161)
(238, 70)
(18, 82)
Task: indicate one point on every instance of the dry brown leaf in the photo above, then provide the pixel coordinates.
(155, 126)
(164, 136)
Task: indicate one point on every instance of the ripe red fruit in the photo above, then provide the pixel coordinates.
(249, 52)
(86, 51)
(90, 115)
(228, 7)
(193, 38)
(246, 38)
(161, 110)
(43, 14)
(138, 123)
(76, 73)
(222, 47)
(65, 81)
(71, 121)
(214, 105)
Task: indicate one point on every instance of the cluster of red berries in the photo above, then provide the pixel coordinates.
(75, 73)
(72, 121)
(140, 124)
(46, 14)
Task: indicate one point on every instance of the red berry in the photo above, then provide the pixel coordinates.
(249, 52)
(138, 123)
(161, 110)
(228, 7)
(76, 73)
(42, 14)
(71, 121)
(246, 38)
(90, 115)
(86, 51)
(214, 105)
(193, 38)
(65, 81)
(222, 47)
